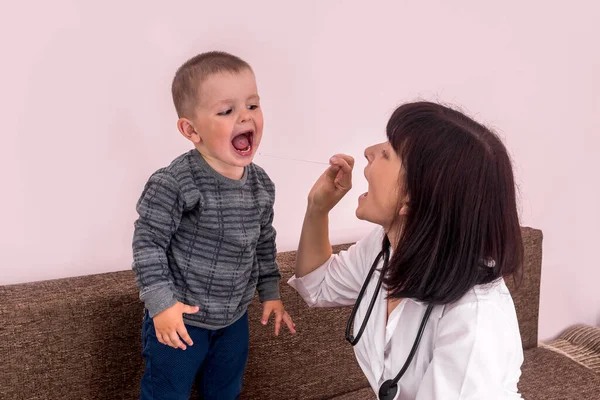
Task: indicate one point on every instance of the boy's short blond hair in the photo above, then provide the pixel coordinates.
(194, 71)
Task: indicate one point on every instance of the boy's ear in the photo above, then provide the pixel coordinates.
(186, 128)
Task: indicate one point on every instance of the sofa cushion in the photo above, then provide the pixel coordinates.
(76, 338)
(548, 375)
(361, 394)
(581, 343)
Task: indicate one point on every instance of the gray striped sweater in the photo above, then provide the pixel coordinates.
(205, 240)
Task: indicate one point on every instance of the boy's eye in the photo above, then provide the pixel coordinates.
(252, 107)
(226, 112)
(385, 154)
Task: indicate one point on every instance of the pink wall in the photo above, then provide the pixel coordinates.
(86, 115)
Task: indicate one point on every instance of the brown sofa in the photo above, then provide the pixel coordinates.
(79, 338)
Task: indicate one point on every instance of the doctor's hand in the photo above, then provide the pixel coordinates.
(335, 182)
(276, 307)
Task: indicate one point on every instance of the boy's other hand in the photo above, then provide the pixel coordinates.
(170, 328)
(276, 307)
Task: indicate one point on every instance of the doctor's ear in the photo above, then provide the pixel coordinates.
(404, 209)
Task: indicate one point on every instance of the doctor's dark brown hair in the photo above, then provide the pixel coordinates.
(461, 227)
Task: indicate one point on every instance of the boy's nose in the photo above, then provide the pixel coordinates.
(244, 116)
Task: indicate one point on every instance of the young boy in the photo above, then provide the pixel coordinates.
(204, 240)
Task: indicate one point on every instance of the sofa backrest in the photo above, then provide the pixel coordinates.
(527, 295)
(80, 338)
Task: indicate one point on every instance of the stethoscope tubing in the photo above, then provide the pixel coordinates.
(389, 388)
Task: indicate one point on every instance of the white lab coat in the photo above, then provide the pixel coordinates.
(470, 349)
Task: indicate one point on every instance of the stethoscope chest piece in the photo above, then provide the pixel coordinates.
(388, 390)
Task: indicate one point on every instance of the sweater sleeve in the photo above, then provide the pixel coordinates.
(266, 252)
(160, 209)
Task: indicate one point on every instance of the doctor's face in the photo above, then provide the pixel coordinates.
(381, 203)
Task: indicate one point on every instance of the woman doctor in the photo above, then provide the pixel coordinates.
(435, 319)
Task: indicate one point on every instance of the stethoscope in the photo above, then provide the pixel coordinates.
(389, 388)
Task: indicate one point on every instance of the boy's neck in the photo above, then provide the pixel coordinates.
(228, 171)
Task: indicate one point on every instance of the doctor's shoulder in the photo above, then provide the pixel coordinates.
(485, 310)
(363, 253)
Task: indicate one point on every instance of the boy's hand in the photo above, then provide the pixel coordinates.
(276, 307)
(169, 325)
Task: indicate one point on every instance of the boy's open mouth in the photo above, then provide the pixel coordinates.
(242, 143)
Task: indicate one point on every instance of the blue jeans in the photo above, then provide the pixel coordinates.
(217, 359)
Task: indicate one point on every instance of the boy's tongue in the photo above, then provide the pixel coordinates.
(241, 142)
